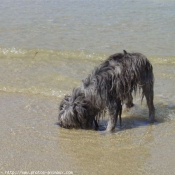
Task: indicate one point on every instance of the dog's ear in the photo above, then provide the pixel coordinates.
(65, 100)
(124, 51)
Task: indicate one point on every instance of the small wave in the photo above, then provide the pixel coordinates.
(35, 91)
(80, 54)
(68, 54)
(162, 59)
(13, 50)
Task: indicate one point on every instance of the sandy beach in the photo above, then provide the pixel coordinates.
(47, 48)
(31, 140)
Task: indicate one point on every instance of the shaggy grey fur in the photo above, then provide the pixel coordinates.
(108, 87)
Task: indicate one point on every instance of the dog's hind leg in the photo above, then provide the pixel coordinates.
(148, 92)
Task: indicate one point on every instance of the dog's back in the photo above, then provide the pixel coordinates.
(132, 71)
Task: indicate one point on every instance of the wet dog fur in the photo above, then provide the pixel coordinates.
(108, 87)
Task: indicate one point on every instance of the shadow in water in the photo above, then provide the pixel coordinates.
(137, 116)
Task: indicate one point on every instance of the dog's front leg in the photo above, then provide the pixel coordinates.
(129, 100)
(111, 124)
(113, 115)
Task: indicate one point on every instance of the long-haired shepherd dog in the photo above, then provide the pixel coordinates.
(108, 87)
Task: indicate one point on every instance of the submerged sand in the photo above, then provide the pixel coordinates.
(31, 140)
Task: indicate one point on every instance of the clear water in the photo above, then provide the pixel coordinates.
(95, 26)
(47, 48)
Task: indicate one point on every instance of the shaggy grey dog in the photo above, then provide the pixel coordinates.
(108, 87)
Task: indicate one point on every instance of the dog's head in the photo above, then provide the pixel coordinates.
(76, 111)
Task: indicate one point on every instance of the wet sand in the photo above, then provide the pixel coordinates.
(31, 140)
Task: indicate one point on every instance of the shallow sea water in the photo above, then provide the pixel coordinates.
(46, 49)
